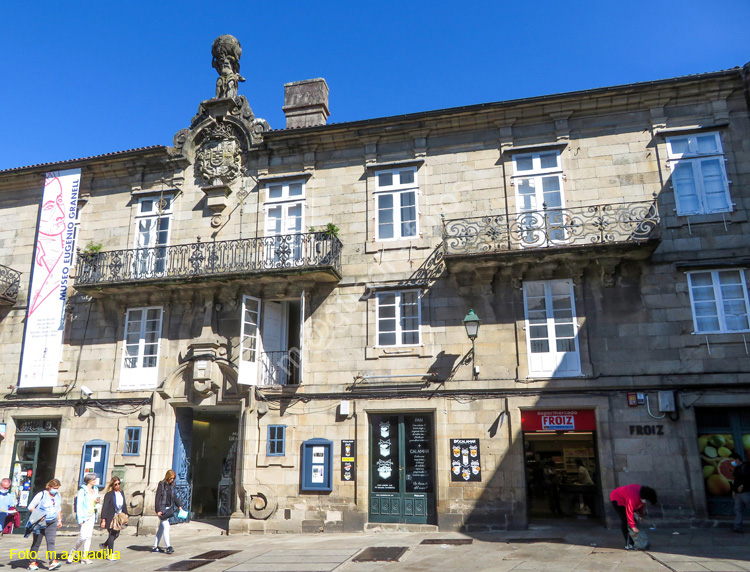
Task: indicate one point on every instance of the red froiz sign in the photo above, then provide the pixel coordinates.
(559, 420)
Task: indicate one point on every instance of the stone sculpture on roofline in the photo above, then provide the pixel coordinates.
(226, 52)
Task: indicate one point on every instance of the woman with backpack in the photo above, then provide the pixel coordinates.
(165, 509)
(48, 505)
(85, 504)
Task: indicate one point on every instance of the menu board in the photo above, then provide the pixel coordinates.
(385, 453)
(418, 454)
(348, 468)
(465, 460)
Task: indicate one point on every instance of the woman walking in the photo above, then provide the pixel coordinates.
(50, 503)
(628, 501)
(165, 509)
(114, 504)
(86, 505)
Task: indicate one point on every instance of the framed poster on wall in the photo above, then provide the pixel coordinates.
(465, 463)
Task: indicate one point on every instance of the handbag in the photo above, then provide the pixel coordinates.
(640, 540)
(119, 521)
(167, 513)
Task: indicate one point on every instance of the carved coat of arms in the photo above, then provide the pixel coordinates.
(219, 158)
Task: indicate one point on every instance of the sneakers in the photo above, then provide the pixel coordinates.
(33, 566)
(629, 547)
(55, 565)
(156, 549)
(169, 550)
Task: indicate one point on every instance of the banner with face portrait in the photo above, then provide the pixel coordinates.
(50, 280)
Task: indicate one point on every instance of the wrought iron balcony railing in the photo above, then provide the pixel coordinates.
(634, 222)
(280, 368)
(208, 260)
(10, 280)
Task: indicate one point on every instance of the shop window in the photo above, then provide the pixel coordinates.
(719, 299)
(132, 441)
(721, 432)
(551, 329)
(699, 175)
(276, 440)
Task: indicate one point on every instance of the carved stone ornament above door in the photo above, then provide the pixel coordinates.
(218, 160)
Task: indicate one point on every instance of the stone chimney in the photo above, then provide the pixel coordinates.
(306, 103)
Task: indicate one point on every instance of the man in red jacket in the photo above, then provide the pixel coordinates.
(627, 501)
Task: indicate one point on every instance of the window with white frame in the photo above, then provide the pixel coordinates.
(551, 329)
(538, 178)
(271, 341)
(699, 175)
(396, 203)
(141, 348)
(399, 316)
(720, 301)
(153, 226)
(284, 210)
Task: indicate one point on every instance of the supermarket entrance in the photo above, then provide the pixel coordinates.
(562, 465)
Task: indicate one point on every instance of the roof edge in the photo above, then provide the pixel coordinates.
(279, 133)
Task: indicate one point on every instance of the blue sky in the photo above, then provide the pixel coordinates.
(87, 78)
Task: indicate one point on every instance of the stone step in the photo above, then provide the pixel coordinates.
(399, 527)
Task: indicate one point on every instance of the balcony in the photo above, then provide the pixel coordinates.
(10, 280)
(279, 368)
(619, 229)
(315, 255)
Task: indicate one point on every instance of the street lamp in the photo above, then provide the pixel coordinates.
(472, 323)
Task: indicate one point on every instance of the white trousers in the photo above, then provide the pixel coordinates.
(84, 536)
(163, 531)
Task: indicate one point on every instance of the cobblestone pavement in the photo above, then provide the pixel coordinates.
(551, 549)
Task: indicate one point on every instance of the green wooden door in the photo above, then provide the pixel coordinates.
(402, 475)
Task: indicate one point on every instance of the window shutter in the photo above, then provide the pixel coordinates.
(250, 341)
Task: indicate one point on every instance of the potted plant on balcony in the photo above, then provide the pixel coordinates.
(90, 251)
(88, 257)
(325, 235)
(328, 231)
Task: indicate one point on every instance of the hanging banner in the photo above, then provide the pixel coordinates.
(50, 279)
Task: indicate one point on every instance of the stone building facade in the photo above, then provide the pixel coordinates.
(278, 315)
